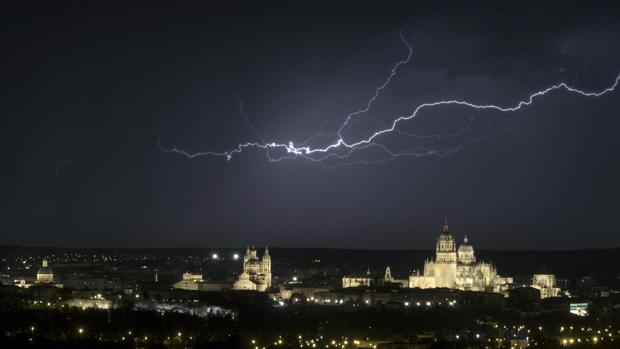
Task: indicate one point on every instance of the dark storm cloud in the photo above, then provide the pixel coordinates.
(121, 77)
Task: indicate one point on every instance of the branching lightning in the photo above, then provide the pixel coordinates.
(247, 117)
(340, 150)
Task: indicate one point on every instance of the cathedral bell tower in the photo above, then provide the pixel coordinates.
(267, 267)
(445, 258)
(266, 261)
(445, 249)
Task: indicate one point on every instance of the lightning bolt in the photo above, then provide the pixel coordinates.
(342, 149)
(379, 88)
(245, 115)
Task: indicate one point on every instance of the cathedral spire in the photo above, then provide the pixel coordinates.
(445, 225)
(266, 251)
(465, 240)
(388, 274)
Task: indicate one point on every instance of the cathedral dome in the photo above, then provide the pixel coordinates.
(465, 246)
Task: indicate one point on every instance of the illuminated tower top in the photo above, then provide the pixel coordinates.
(445, 241)
(466, 252)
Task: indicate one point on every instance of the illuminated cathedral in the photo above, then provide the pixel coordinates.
(256, 275)
(458, 269)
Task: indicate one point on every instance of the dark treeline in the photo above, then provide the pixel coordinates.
(264, 323)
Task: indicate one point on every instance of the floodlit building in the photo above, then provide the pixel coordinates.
(388, 279)
(546, 284)
(458, 269)
(195, 282)
(92, 303)
(189, 282)
(256, 275)
(45, 276)
(358, 280)
(368, 280)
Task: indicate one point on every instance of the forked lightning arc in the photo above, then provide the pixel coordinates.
(342, 149)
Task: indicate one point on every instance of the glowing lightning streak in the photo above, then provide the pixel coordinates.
(247, 117)
(379, 88)
(307, 152)
(290, 148)
(520, 105)
(266, 146)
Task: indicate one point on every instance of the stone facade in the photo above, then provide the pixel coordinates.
(368, 280)
(45, 275)
(458, 269)
(546, 284)
(256, 275)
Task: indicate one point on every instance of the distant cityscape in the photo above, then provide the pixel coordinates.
(276, 175)
(305, 299)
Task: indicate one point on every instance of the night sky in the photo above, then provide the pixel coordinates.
(90, 90)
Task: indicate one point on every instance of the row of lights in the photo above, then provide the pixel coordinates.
(569, 341)
(216, 256)
(312, 343)
(341, 301)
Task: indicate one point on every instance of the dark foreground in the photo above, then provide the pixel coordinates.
(256, 323)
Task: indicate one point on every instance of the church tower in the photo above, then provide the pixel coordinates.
(256, 273)
(445, 258)
(388, 274)
(246, 256)
(266, 267)
(45, 273)
(266, 261)
(445, 250)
